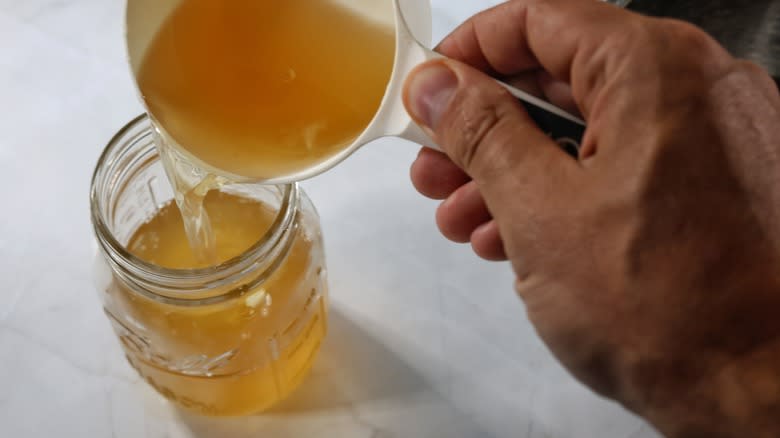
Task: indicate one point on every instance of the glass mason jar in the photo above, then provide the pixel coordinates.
(227, 340)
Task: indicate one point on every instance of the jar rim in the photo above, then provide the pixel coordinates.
(177, 284)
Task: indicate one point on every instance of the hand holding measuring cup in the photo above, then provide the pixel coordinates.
(650, 265)
(299, 86)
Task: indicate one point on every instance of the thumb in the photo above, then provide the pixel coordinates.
(483, 129)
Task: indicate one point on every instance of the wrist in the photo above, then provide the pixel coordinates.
(727, 398)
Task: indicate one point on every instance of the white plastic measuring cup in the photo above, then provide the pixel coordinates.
(413, 26)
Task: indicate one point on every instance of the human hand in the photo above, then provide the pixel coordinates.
(651, 265)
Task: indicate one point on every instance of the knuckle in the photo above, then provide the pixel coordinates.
(752, 70)
(615, 56)
(479, 123)
(689, 42)
(475, 125)
(688, 37)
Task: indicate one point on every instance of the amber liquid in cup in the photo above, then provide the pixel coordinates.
(263, 88)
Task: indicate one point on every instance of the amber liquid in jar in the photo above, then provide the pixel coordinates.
(263, 88)
(242, 355)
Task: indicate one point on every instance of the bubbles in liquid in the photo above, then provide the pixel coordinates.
(237, 357)
(265, 89)
(190, 187)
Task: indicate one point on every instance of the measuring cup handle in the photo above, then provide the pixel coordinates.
(565, 129)
(566, 132)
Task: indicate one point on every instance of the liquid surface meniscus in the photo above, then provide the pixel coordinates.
(265, 89)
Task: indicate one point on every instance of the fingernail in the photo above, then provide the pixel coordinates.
(429, 91)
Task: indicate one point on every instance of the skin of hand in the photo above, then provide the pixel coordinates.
(650, 265)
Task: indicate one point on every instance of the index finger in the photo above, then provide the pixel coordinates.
(563, 37)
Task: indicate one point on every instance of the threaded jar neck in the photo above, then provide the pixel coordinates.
(126, 192)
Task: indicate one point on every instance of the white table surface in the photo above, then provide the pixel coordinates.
(426, 340)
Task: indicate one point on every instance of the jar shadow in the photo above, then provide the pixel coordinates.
(354, 371)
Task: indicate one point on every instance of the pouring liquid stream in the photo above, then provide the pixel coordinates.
(190, 188)
(270, 88)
